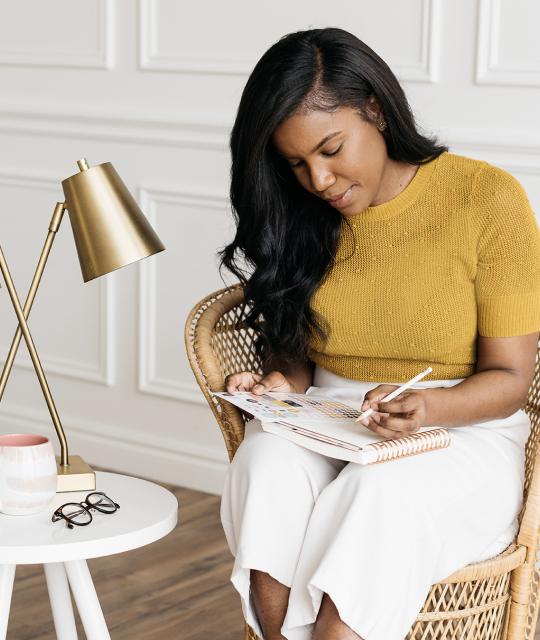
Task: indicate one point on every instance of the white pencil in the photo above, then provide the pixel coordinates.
(395, 393)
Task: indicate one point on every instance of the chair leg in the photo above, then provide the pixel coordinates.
(87, 601)
(61, 606)
(7, 575)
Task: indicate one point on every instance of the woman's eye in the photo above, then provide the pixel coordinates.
(325, 153)
(332, 153)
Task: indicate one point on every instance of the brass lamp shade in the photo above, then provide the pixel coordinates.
(109, 228)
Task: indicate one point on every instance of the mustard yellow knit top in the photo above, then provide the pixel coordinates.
(417, 278)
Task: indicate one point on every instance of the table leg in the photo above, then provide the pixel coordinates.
(62, 608)
(7, 575)
(87, 601)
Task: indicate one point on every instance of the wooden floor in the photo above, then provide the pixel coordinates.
(177, 588)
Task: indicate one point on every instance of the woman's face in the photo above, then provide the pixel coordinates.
(335, 155)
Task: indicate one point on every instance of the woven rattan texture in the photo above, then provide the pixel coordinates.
(532, 407)
(493, 600)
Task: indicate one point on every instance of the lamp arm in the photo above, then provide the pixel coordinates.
(54, 225)
(64, 460)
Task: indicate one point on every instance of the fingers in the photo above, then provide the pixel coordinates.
(377, 394)
(255, 382)
(389, 434)
(402, 423)
(404, 403)
(392, 419)
(392, 426)
(242, 381)
(272, 380)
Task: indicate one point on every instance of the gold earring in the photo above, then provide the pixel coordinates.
(381, 125)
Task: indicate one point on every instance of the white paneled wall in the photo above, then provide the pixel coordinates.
(153, 86)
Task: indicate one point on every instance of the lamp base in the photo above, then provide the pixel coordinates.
(77, 476)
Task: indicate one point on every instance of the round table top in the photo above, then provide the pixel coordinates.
(147, 513)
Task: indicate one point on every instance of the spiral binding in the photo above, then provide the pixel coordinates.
(411, 445)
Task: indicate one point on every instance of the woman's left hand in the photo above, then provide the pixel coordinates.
(398, 417)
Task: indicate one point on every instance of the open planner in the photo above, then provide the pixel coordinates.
(328, 426)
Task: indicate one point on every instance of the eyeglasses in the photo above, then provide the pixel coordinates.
(78, 513)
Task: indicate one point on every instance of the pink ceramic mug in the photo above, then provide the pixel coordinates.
(27, 473)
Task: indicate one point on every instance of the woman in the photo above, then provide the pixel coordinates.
(371, 252)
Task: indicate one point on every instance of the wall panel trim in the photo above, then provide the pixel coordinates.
(488, 69)
(149, 381)
(223, 63)
(101, 58)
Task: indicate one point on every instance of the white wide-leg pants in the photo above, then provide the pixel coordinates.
(374, 538)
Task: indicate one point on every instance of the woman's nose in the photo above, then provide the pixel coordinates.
(321, 179)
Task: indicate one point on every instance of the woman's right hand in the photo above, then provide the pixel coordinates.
(258, 384)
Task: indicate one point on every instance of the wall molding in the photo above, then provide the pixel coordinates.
(150, 59)
(161, 458)
(495, 141)
(488, 69)
(103, 372)
(149, 381)
(101, 58)
(122, 125)
(203, 131)
(427, 70)
(223, 63)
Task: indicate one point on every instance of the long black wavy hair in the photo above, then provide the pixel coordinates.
(286, 237)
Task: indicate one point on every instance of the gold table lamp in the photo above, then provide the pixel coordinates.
(110, 232)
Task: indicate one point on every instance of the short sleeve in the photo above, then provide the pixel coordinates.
(507, 240)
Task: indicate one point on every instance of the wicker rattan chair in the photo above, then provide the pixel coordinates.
(492, 600)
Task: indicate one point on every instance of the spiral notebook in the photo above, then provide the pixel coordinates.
(328, 426)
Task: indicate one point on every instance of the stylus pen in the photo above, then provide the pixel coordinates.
(395, 393)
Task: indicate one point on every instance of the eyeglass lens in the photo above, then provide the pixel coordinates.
(76, 513)
(80, 512)
(101, 502)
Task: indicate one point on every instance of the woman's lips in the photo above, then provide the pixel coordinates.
(339, 202)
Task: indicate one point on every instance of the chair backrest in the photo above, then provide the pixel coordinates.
(219, 343)
(532, 407)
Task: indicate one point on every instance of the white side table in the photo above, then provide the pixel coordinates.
(147, 513)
